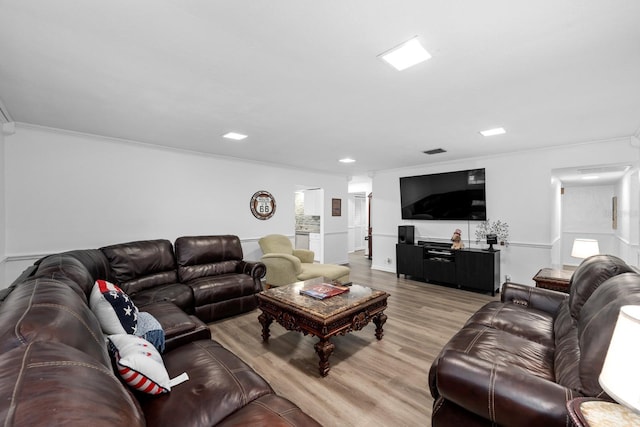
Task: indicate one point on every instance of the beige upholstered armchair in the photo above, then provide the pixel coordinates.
(287, 265)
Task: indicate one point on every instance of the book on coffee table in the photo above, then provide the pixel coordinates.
(323, 290)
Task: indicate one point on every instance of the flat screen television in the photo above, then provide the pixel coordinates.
(458, 195)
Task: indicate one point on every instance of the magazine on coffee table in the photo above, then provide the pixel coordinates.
(323, 290)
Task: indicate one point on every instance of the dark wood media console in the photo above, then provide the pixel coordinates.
(436, 262)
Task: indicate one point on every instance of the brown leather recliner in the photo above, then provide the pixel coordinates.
(223, 284)
(516, 362)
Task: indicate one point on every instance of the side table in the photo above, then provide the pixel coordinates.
(592, 412)
(554, 279)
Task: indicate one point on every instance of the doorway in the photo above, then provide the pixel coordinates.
(585, 209)
(309, 206)
(357, 222)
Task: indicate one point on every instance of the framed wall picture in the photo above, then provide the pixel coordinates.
(262, 205)
(614, 212)
(336, 207)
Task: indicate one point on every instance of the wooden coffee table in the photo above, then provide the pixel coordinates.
(324, 319)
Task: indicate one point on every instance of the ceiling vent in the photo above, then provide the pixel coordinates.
(435, 151)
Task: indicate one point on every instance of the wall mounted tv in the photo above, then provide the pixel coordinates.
(456, 195)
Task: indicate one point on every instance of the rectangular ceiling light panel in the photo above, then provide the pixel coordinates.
(492, 132)
(406, 55)
(234, 135)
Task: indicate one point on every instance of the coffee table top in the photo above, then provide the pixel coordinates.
(326, 308)
(553, 274)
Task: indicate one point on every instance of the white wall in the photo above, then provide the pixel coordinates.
(586, 214)
(627, 235)
(70, 191)
(2, 210)
(520, 191)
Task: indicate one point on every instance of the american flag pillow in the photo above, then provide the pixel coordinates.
(114, 309)
(139, 364)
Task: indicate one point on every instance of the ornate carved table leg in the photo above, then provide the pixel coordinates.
(324, 348)
(379, 321)
(265, 321)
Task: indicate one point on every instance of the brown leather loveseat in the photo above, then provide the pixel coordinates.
(55, 368)
(206, 275)
(516, 362)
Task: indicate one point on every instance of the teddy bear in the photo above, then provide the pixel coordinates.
(457, 239)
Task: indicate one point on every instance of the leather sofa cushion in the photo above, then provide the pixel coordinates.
(49, 310)
(567, 359)
(563, 322)
(504, 349)
(219, 384)
(201, 256)
(177, 293)
(502, 395)
(69, 266)
(596, 323)
(149, 281)
(534, 325)
(94, 261)
(447, 413)
(222, 309)
(194, 272)
(141, 265)
(179, 327)
(270, 410)
(222, 287)
(52, 384)
(591, 273)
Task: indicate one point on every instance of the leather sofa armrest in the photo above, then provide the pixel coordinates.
(305, 255)
(539, 298)
(255, 269)
(502, 394)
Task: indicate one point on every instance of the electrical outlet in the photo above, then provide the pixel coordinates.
(507, 278)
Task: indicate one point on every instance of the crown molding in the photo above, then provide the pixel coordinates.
(8, 128)
(5, 117)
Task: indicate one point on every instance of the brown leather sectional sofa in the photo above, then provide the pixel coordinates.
(516, 362)
(54, 365)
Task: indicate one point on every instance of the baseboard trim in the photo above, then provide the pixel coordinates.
(383, 268)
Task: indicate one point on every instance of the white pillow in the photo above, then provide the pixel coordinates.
(114, 309)
(139, 364)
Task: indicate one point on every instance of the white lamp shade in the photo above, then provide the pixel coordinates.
(584, 248)
(620, 376)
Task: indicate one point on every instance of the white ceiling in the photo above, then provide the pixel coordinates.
(303, 80)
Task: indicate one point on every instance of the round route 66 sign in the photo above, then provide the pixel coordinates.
(263, 205)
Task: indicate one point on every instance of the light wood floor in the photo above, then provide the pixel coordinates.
(371, 382)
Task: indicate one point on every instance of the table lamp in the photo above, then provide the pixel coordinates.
(620, 375)
(584, 248)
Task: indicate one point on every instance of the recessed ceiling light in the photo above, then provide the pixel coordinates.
(406, 55)
(234, 135)
(346, 160)
(492, 132)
